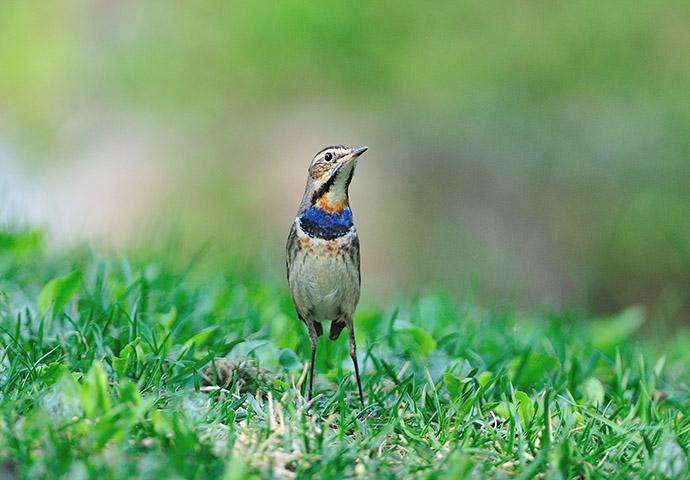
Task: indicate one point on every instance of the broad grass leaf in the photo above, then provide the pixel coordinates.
(422, 342)
(531, 368)
(129, 393)
(608, 333)
(94, 391)
(58, 292)
(524, 407)
(52, 373)
(202, 338)
(120, 366)
(502, 410)
(484, 378)
(130, 355)
(453, 384)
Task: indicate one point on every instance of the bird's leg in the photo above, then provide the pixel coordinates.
(312, 340)
(353, 355)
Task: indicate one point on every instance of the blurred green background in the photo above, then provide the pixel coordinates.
(526, 152)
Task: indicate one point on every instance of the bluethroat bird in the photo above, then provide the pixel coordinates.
(323, 252)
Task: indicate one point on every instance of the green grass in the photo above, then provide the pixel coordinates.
(116, 368)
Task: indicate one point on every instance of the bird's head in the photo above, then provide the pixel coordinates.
(330, 174)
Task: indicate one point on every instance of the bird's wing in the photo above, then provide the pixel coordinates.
(354, 253)
(291, 249)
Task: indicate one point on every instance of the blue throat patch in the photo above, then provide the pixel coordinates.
(318, 224)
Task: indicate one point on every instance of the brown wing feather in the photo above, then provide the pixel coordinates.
(291, 252)
(354, 253)
(291, 249)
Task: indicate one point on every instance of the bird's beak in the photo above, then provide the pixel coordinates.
(357, 151)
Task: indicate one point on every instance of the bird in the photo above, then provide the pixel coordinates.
(323, 256)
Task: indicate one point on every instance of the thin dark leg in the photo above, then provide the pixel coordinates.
(353, 355)
(311, 370)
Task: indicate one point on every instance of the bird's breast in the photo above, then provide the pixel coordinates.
(324, 276)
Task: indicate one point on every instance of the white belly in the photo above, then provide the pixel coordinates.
(324, 282)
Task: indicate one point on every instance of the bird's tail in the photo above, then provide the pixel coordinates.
(336, 328)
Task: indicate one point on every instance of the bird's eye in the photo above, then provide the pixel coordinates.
(328, 156)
